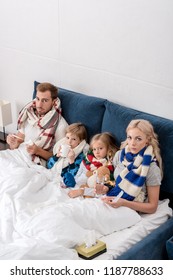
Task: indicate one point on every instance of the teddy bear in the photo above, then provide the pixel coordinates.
(100, 175)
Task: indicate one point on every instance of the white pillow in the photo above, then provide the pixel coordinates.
(93, 213)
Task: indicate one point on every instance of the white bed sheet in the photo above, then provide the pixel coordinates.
(120, 241)
(39, 221)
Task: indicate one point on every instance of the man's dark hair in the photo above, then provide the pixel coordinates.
(47, 86)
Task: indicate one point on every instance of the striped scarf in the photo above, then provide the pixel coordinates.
(133, 176)
(64, 162)
(91, 163)
(47, 124)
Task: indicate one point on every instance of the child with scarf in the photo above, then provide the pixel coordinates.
(101, 153)
(138, 170)
(64, 166)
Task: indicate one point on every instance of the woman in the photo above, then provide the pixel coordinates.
(138, 170)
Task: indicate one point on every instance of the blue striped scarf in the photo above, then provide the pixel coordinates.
(133, 176)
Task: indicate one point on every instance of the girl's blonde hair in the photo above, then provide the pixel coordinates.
(109, 140)
(77, 129)
(147, 128)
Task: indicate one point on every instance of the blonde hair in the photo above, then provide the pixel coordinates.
(109, 140)
(77, 129)
(147, 128)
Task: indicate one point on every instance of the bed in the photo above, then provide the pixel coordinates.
(39, 220)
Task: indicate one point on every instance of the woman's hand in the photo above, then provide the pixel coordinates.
(149, 206)
(111, 200)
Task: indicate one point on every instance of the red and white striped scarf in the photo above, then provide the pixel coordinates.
(47, 124)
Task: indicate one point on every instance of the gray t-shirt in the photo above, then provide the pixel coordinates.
(153, 177)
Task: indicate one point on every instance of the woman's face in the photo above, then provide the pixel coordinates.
(72, 140)
(136, 140)
(99, 149)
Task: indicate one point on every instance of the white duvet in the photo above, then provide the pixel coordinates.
(37, 218)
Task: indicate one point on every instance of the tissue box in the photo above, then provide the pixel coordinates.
(91, 252)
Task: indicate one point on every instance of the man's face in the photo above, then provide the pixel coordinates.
(44, 102)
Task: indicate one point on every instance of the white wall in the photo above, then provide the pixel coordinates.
(116, 49)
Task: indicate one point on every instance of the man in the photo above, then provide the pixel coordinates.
(40, 124)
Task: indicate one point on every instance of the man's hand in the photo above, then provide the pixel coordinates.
(14, 141)
(32, 149)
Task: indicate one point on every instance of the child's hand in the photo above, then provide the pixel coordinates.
(75, 193)
(58, 154)
(71, 156)
(101, 189)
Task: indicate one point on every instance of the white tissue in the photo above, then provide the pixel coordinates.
(30, 143)
(90, 239)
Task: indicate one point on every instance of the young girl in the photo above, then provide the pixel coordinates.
(138, 170)
(101, 153)
(68, 165)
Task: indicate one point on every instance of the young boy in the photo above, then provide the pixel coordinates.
(68, 165)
